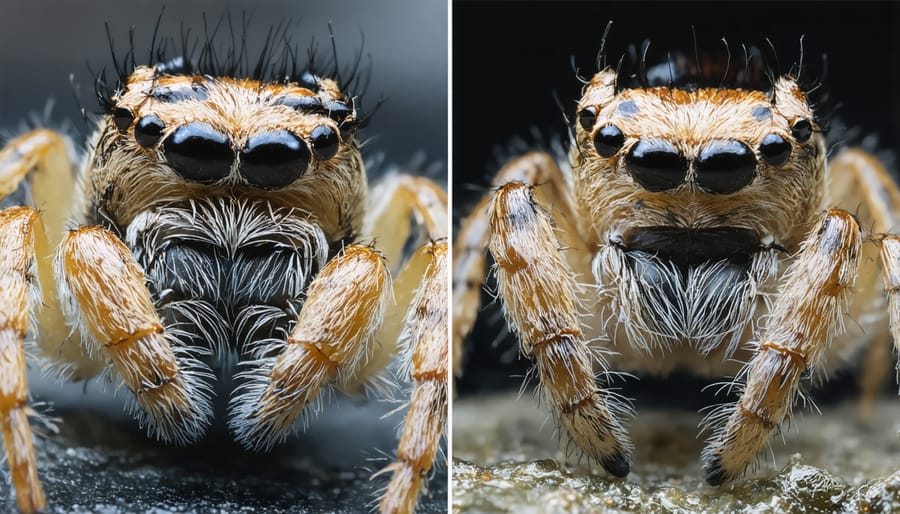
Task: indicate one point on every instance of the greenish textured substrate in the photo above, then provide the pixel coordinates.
(507, 459)
(544, 486)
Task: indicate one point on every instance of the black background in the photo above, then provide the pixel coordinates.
(509, 58)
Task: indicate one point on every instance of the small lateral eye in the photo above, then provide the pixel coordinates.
(802, 130)
(609, 140)
(149, 130)
(338, 111)
(775, 150)
(324, 141)
(587, 117)
(122, 117)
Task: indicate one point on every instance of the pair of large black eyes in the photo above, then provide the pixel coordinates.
(149, 130)
(199, 153)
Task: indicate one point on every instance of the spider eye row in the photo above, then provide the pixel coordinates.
(199, 153)
(723, 166)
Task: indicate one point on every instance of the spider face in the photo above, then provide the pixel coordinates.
(682, 171)
(195, 135)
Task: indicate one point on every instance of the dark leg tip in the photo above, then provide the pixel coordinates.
(713, 471)
(617, 464)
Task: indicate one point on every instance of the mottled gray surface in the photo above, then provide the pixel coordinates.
(506, 459)
(102, 462)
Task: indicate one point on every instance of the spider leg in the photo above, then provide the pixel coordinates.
(17, 233)
(397, 199)
(103, 287)
(854, 175)
(890, 260)
(34, 169)
(426, 336)
(806, 314)
(332, 340)
(471, 242)
(417, 321)
(539, 293)
(38, 161)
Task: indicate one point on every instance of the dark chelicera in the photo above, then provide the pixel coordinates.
(691, 247)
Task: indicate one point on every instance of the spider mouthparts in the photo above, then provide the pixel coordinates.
(686, 247)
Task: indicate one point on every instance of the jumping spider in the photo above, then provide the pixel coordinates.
(217, 214)
(692, 227)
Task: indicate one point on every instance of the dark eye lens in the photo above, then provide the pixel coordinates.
(122, 117)
(775, 150)
(338, 111)
(309, 81)
(587, 117)
(802, 130)
(149, 130)
(609, 140)
(274, 160)
(324, 142)
(656, 165)
(724, 166)
(198, 153)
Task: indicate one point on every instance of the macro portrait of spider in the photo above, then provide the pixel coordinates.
(695, 223)
(217, 251)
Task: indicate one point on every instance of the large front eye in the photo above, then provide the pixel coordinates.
(656, 165)
(609, 140)
(775, 150)
(724, 167)
(198, 153)
(274, 160)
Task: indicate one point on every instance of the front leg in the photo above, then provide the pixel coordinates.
(539, 295)
(104, 291)
(332, 340)
(806, 314)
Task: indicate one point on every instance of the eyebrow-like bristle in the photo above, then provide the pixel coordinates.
(220, 49)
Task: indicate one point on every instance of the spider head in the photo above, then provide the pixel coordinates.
(215, 125)
(692, 158)
(210, 130)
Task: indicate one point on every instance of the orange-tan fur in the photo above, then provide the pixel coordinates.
(332, 339)
(18, 226)
(426, 355)
(108, 296)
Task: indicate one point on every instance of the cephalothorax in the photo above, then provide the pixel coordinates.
(692, 227)
(218, 210)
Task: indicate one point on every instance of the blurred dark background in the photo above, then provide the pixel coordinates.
(43, 41)
(510, 58)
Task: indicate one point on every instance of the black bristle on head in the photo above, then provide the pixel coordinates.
(647, 66)
(222, 51)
